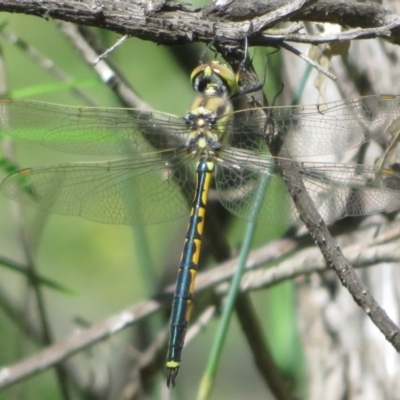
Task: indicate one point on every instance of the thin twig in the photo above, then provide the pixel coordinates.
(105, 69)
(308, 60)
(110, 49)
(43, 62)
(57, 353)
(351, 34)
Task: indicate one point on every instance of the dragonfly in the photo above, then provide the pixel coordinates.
(166, 165)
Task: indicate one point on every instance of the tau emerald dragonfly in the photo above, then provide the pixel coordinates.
(167, 164)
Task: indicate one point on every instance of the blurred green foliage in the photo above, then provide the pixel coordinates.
(99, 261)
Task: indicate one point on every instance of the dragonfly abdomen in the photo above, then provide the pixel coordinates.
(184, 291)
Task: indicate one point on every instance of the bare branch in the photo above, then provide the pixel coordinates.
(58, 352)
(175, 24)
(335, 258)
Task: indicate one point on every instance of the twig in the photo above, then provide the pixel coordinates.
(351, 34)
(43, 62)
(57, 353)
(111, 49)
(308, 60)
(105, 69)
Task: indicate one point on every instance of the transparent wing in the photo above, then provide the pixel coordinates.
(307, 130)
(90, 130)
(319, 129)
(100, 191)
(337, 190)
(144, 191)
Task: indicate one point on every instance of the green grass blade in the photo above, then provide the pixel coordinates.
(208, 379)
(52, 87)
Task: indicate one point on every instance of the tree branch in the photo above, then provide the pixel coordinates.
(334, 255)
(175, 24)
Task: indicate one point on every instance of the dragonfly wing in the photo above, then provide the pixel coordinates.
(90, 130)
(314, 130)
(253, 190)
(255, 196)
(116, 192)
(341, 190)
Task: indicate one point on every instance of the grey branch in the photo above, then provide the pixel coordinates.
(173, 23)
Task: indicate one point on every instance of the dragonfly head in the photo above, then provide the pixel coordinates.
(215, 76)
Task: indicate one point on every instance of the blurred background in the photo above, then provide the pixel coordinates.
(99, 263)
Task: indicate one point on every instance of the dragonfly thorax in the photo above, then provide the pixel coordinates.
(204, 136)
(202, 144)
(207, 121)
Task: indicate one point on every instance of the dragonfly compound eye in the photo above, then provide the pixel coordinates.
(220, 75)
